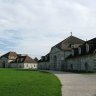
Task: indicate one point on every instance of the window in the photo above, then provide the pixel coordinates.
(4, 65)
(72, 52)
(26, 65)
(72, 46)
(87, 48)
(79, 49)
(45, 58)
(71, 66)
(86, 67)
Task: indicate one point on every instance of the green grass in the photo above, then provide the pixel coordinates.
(28, 83)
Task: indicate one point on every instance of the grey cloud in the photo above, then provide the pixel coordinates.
(35, 26)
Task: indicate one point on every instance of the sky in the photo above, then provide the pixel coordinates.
(34, 26)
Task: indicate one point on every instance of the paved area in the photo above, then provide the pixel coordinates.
(77, 84)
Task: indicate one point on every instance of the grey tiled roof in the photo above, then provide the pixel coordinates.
(24, 59)
(66, 44)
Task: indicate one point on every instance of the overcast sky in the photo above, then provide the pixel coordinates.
(34, 26)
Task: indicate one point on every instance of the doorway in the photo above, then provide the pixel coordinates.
(86, 67)
(71, 67)
(55, 62)
(3, 64)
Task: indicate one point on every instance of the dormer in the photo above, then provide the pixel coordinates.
(46, 58)
(79, 50)
(95, 51)
(42, 58)
(72, 45)
(21, 60)
(87, 47)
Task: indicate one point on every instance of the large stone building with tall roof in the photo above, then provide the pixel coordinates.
(59, 52)
(71, 54)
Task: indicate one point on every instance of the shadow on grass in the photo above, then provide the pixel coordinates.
(26, 69)
(42, 71)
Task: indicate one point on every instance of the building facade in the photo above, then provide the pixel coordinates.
(14, 60)
(83, 58)
(60, 51)
(44, 62)
(6, 59)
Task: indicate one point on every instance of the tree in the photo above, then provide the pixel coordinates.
(36, 59)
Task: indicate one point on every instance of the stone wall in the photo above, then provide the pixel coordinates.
(24, 65)
(57, 59)
(44, 65)
(82, 63)
(4, 62)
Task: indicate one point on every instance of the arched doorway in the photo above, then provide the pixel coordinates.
(3, 64)
(55, 62)
(71, 66)
(86, 67)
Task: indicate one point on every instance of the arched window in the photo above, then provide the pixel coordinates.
(55, 62)
(79, 49)
(72, 52)
(87, 47)
(34, 66)
(71, 66)
(86, 67)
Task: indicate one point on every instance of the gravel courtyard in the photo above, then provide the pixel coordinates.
(77, 84)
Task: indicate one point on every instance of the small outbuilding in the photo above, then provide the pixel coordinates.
(14, 60)
(25, 62)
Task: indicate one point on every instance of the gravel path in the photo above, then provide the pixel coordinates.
(77, 84)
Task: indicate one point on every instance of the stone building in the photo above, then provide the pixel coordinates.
(62, 50)
(24, 61)
(6, 59)
(83, 58)
(44, 62)
(59, 52)
(14, 60)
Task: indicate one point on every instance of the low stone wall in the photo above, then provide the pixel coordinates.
(43, 65)
(24, 65)
(81, 63)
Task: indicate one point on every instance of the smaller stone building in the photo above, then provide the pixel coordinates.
(25, 62)
(83, 58)
(44, 62)
(14, 60)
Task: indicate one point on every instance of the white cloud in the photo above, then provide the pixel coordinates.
(34, 26)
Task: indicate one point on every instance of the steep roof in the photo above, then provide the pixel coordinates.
(24, 59)
(66, 44)
(29, 60)
(92, 41)
(9, 54)
(73, 40)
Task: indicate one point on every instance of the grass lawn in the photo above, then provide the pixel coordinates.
(28, 83)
